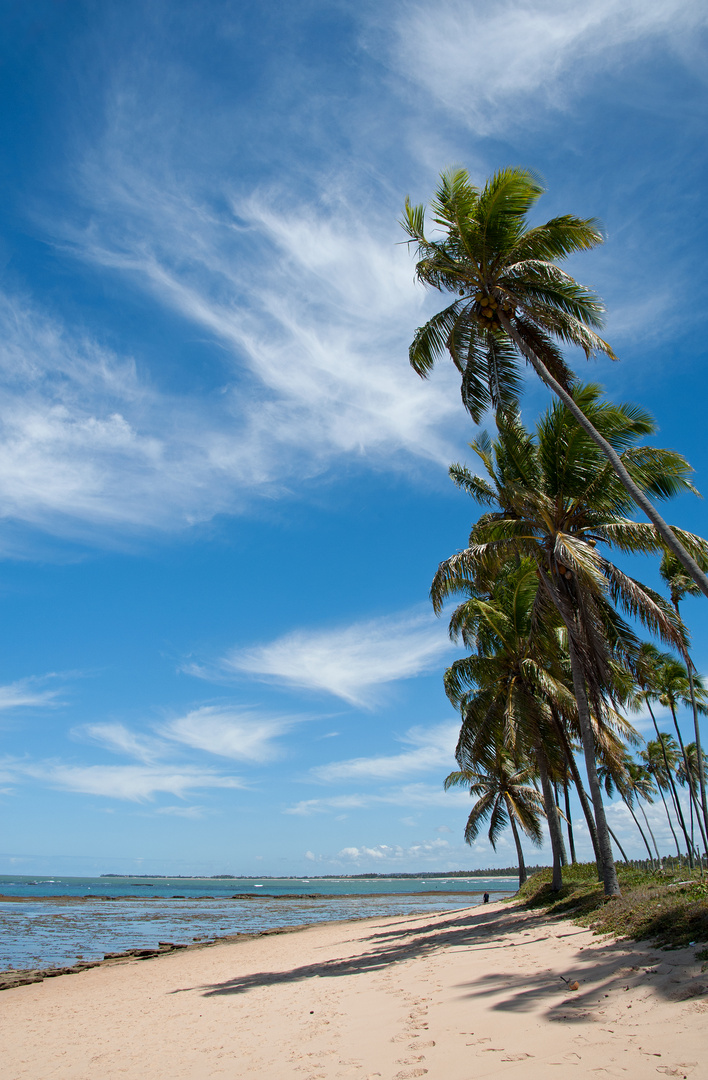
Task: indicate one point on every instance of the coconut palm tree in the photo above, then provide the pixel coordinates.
(643, 788)
(558, 500)
(506, 689)
(619, 779)
(690, 774)
(505, 795)
(513, 301)
(680, 584)
(660, 758)
(672, 686)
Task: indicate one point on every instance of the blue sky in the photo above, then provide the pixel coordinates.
(224, 493)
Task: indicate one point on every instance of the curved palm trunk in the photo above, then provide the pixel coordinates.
(569, 824)
(609, 871)
(665, 531)
(551, 817)
(697, 734)
(653, 838)
(621, 849)
(691, 792)
(519, 849)
(641, 831)
(564, 853)
(582, 795)
(672, 788)
(668, 818)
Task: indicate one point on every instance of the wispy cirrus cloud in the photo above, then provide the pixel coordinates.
(311, 303)
(350, 662)
(229, 731)
(28, 693)
(509, 64)
(89, 445)
(308, 314)
(430, 749)
(119, 739)
(409, 795)
(136, 783)
(237, 733)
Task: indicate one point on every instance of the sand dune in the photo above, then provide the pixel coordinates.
(459, 996)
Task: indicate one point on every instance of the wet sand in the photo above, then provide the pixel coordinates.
(454, 996)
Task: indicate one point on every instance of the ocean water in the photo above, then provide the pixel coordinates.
(57, 921)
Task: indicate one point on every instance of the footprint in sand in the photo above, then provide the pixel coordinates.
(404, 1074)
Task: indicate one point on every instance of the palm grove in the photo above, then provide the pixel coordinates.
(551, 623)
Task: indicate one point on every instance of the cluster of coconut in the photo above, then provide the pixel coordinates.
(488, 309)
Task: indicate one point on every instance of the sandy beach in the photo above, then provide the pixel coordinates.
(462, 995)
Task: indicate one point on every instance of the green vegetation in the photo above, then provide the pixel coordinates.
(669, 907)
(547, 612)
(513, 302)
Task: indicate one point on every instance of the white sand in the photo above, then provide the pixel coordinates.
(458, 996)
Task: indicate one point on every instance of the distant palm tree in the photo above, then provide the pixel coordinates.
(680, 585)
(672, 685)
(513, 300)
(619, 778)
(660, 757)
(505, 795)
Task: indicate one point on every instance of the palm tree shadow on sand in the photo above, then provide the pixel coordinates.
(600, 971)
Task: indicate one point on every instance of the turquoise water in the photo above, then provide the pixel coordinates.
(83, 918)
(225, 887)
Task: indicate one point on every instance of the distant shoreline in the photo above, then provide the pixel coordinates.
(317, 877)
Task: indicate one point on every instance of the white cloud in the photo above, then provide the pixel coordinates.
(131, 782)
(387, 853)
(309, 310)
(229, 732)
(86, 442)
(504, 64)
(350, 662)
(312, 303)
(119, 739)
(191, 812)
(25, 693)
(432, 749)
(414, 795)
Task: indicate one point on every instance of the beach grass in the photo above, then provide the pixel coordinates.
(668, 907)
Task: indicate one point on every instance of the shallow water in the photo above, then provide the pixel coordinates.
(60, 929)
(223, 887)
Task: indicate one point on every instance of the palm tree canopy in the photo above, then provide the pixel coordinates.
(504, 790)
(678, 580)
(560, 505)
(659, 753)
(673, 687)
(493, 260)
